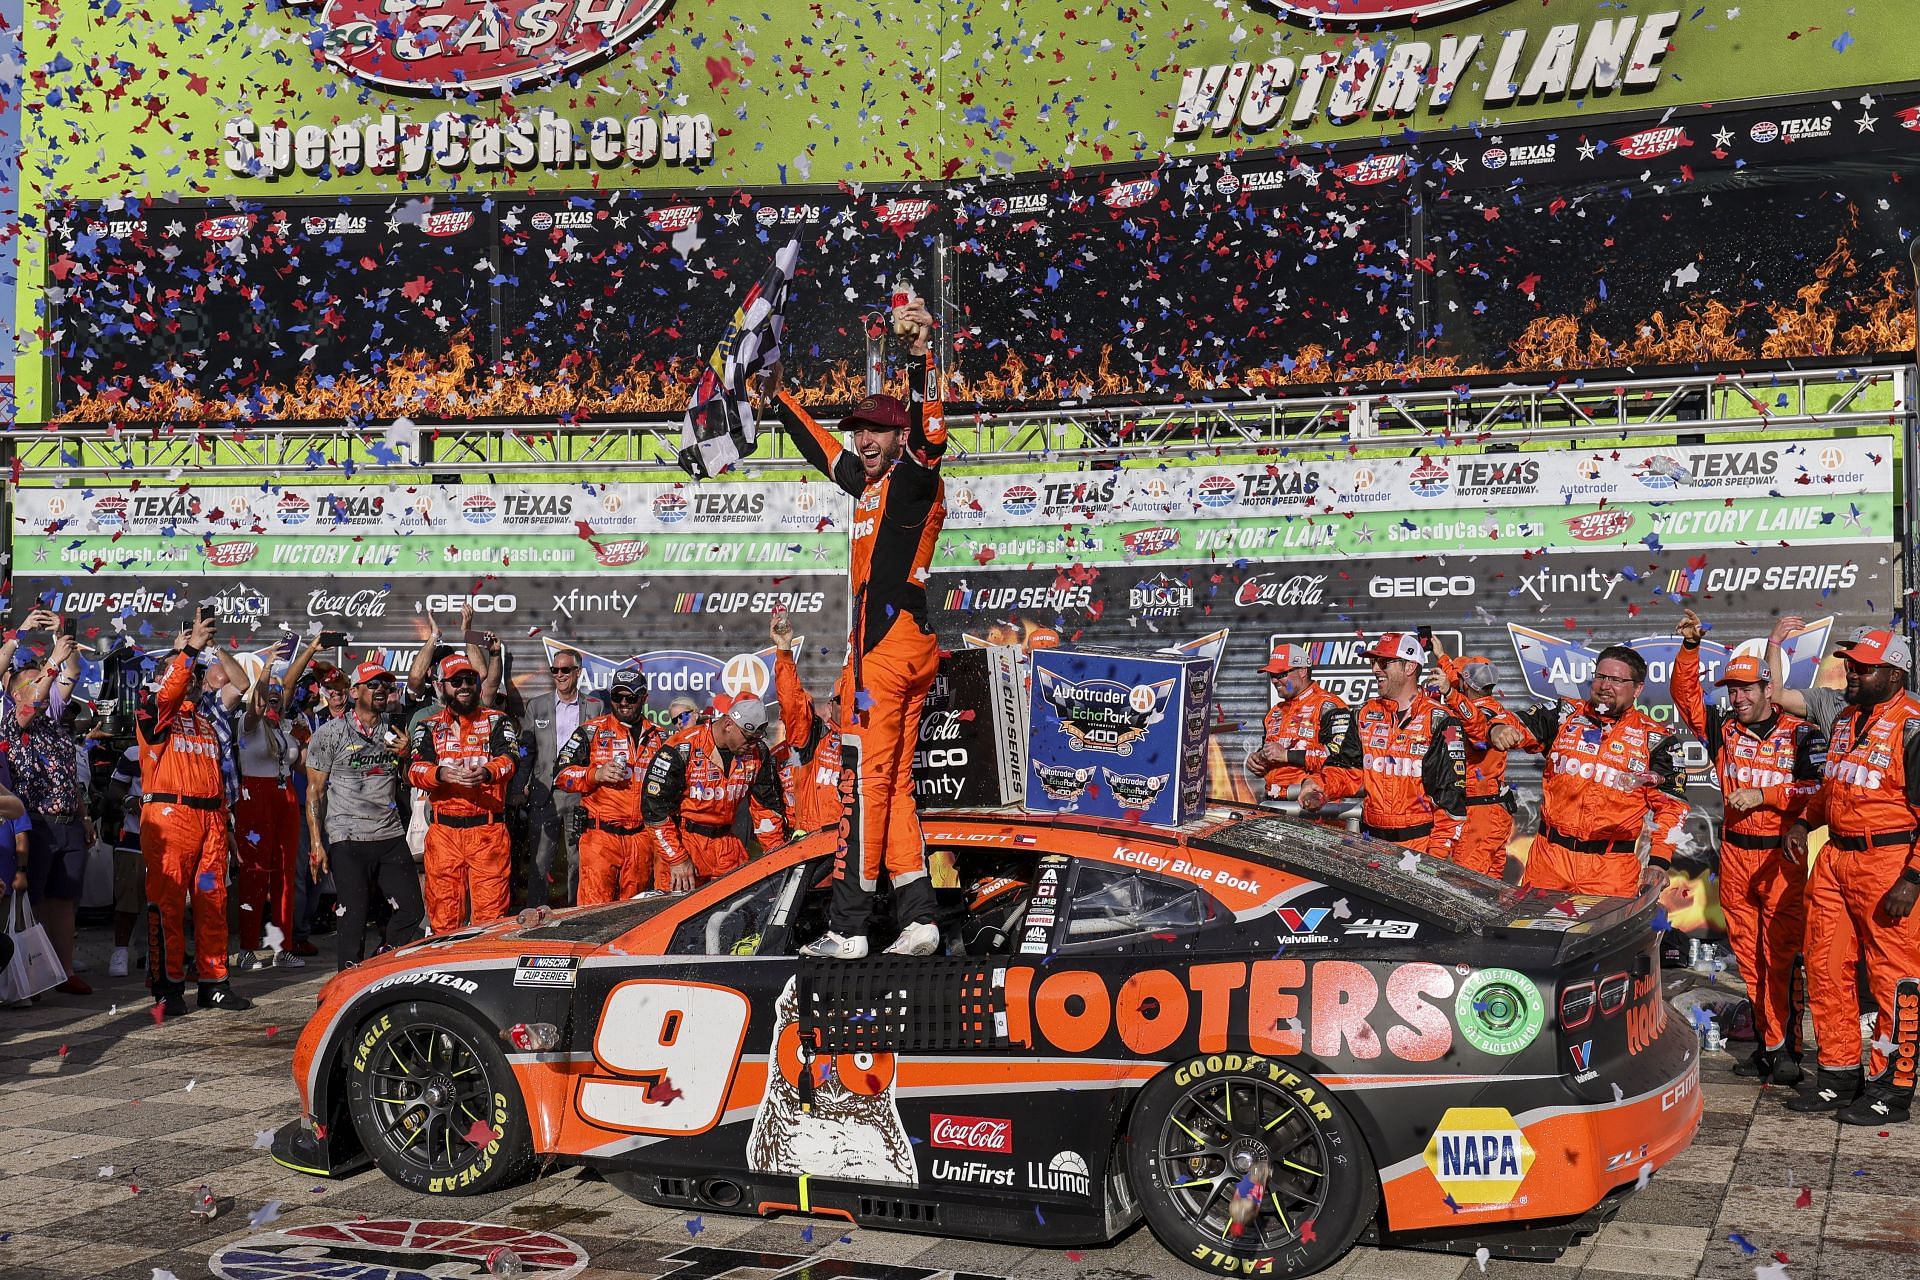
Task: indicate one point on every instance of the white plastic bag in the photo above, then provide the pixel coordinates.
(34, 967)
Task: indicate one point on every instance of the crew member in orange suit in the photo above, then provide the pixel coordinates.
(183, 830)
(1768, 762)
(694, 788)
(810, 752)
(1610, 767)
(1469, 690)
(604, 762)
(1308, 730)
(1413, 758)
(463, 755)
(1863, 887)
(893, 473)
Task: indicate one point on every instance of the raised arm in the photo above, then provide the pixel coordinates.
(1689, 699)
(1793, 700)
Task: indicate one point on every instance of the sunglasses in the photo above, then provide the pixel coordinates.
(463, 680)
(623, 697)
(563, 671)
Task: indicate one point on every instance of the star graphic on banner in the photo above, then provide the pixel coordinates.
(1588, 150)
(1866, 122)
(421, 555)
(733, 217)
(1455, 163)
(821, 553)
(621, 219)
(176, 228)
(1312, 176)
(393, 224)
(40, 554)
(1363, 534)
(1723, 137)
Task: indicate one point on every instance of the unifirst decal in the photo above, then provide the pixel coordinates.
(1392, 80)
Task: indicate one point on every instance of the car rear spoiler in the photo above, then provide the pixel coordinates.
(1606, 927)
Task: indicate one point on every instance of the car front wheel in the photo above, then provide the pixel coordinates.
(434, 1102)
(1245, 1166)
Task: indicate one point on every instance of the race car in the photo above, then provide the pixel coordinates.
(1267, 1038)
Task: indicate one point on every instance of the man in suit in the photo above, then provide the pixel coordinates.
(552, 815)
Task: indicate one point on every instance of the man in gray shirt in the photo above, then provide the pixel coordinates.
(354, 816)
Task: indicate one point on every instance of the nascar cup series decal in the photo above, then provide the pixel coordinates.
(1479, 1155)
(1104, 715)
(1499, 1011)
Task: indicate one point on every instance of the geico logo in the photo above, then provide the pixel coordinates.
(1430, 587)
(1857, 775)
(1329, 1010)
(1748, 775)
(1394, 766)
(940, 758)
(481, 604)
(1605, 775)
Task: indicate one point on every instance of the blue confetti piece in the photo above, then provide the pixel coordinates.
(1746, 1245)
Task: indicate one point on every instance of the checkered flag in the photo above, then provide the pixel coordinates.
(720, 428)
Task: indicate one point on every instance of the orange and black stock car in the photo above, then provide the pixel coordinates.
(1266, 1038)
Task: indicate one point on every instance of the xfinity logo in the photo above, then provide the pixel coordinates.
(1434, 586)
(1587, 583)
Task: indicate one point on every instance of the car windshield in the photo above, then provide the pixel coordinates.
(597, 926)
(1449, 892)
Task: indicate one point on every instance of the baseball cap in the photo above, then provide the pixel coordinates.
(750, 714)
(883, 412)
(1287, 657)
(455, 664)
(1403, 645)
(1878, 647)
(1478, 674)
(368, 672)
(1746, 668)
(628, 681)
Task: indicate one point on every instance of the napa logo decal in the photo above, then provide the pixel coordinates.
(430, 45)
(1556, 667)
(672, 673)
(1104, 715)
(1479, 1155)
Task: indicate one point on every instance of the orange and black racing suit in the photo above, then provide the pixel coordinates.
(893, 658)
(1315, 733)
(467, 846)
(1483, 841)
(1413, 770)
(693, 793)
(810, 756)
(616, 858)
(183, 830)
(1604, 776)
(1870, 802)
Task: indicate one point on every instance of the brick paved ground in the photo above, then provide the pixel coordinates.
(95, 1103)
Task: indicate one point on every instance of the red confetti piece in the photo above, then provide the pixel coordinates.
(480, 1133)
(1803, 1200)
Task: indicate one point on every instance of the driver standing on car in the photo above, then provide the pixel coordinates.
(1309, 730)
(604, 762)
(1610, 766)
(1413, 759)
(694, 789)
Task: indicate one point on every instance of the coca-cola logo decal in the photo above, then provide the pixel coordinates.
(970, 1133)
(503, 45)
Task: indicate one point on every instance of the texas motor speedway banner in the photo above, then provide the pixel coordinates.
(1535, 560)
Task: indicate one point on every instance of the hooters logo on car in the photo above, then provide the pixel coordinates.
(903, 213)
(673, 218)
(615, 554)
(1129, 195)
(229, 226)
(1374, 169)
(451, 222)
(505, 44)
(1150, 542)
(226, 555)
(1598, 526)
(1651, 144)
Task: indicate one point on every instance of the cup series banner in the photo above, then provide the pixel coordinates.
(679, 581)
(1534, 560)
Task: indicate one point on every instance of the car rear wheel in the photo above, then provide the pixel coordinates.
(434, 1102)
(1245, 1166)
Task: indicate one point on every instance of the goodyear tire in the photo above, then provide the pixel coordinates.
(434, 1102)
(1245, 1166)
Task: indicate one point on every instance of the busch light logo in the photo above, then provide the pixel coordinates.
(505, 44)
(1556, 666)
(1019, 500)
(1136, 790)
(1062, 783)
(672, 673)
(670, 507)
(1159, 597)
(1103, 715)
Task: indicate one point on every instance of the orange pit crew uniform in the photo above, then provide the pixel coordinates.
(1316, 731)
(810, 755)
(1483, 841)
(467, 851)
(894, 656)
(616, 857)
(1870, 802)
(183, 830)
(693, 793)
(1761, 891)
(1413, 770)
(1604, 776)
